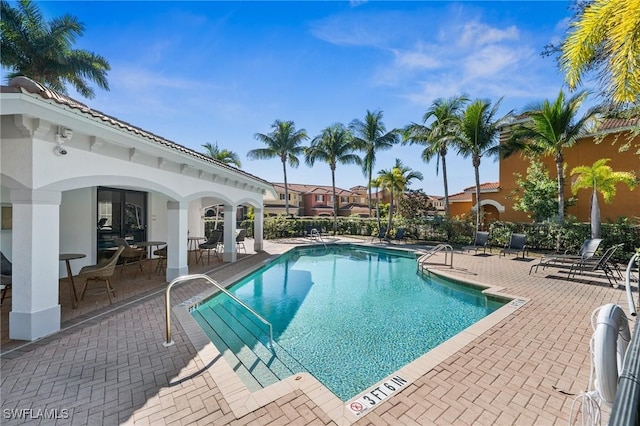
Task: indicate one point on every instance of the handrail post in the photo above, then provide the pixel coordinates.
(169, 341)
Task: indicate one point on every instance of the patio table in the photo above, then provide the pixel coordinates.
(66, 257)
(192, 245)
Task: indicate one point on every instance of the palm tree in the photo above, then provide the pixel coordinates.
(551, 127)
(439, 135)
(606, 38)
(283, 143)
(223, 155)
(396, 181)
(480, 130)
(371, 136)
(334, 145)
(601, 178)
(377, 184)
(43, 50)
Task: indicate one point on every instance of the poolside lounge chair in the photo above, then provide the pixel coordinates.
(382, 234)
(480, 242)
(100, 272)
(587, 251)
(602, 263)
(399, 235)
(517, 244)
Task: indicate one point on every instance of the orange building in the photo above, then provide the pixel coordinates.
(497, 199)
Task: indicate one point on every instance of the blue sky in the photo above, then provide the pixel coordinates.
(198, 72)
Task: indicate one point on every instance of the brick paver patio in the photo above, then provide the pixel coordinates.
(108, 366)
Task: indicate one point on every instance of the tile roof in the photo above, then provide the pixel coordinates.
(459, 197)
(487, 186)
(314, 189)
(610, 124)
(24, 85)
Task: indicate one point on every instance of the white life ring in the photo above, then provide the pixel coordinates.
(610, 341)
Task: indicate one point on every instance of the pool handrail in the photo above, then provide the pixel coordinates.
(447, 249)
(167, 297)
(626, 406)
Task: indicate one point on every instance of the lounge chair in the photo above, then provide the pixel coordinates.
(587, 251)
(517, 244)
(211, 244)
(480, 242)
(100, 272)
(602, 263)
(382, 234)
(6, 272)
(399, 235)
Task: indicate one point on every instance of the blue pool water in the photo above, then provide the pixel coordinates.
(349, 315)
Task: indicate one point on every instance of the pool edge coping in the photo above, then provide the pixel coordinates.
(242, 401)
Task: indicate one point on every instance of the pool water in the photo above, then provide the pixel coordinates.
(351, 315)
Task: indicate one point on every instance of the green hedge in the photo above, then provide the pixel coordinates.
(542, 237)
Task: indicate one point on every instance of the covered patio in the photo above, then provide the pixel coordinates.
(73, 179)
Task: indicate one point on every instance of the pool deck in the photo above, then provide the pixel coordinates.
(108, 364)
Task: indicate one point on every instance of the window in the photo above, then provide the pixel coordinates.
(344, 199)
(331, 198)
(282, 197)
(319, 197)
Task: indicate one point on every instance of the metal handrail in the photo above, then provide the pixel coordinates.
(446, 247)
(167, 297)
(316, 234)
(626, 406)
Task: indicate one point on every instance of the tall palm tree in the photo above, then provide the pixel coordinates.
(602, 179)
(606, 38)
(439, 135)
(334, 145)
(371, 136)
(43, 50)
(284, 142)
(396, 180)
(223, 155)
(480, 130)
(377, 184)
(549, 128)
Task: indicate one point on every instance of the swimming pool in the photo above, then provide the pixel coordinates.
(349, 315)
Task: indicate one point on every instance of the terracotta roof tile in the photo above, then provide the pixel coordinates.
(487, 186)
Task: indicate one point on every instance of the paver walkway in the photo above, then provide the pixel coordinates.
(113, 369)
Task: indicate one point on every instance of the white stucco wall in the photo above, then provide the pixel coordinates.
(78, 227)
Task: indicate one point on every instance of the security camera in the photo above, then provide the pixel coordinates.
(59, 150)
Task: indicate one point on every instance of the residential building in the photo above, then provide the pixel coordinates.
(317, 200)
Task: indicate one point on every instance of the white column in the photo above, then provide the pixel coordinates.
(196, 222)
(229, 253)
(177, 218)
(258, 229)
(35, 311)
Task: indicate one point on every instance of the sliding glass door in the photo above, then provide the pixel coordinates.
(121, 214)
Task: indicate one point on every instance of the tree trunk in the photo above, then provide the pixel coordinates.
(476, 166)
(560, 171)
(447, 214)
(595, 214)
(335, 202)
(286, 188)
(369, 198)
(378, 207)
(390, 213)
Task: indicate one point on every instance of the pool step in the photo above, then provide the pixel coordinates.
(243, 343)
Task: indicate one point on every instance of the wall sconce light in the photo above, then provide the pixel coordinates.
(64, 134)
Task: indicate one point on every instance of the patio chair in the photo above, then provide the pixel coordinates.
(517, 244)
(480, 242)
(382, 234)
(161, 266)
(130, 254)
(211, 244)
(100, 272)
(595, 264)
(399, 235)
(587, 251)
(240, 240)
(6, 271)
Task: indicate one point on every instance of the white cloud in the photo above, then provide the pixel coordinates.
(479, 34)
(492, 60)
(416, 59)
